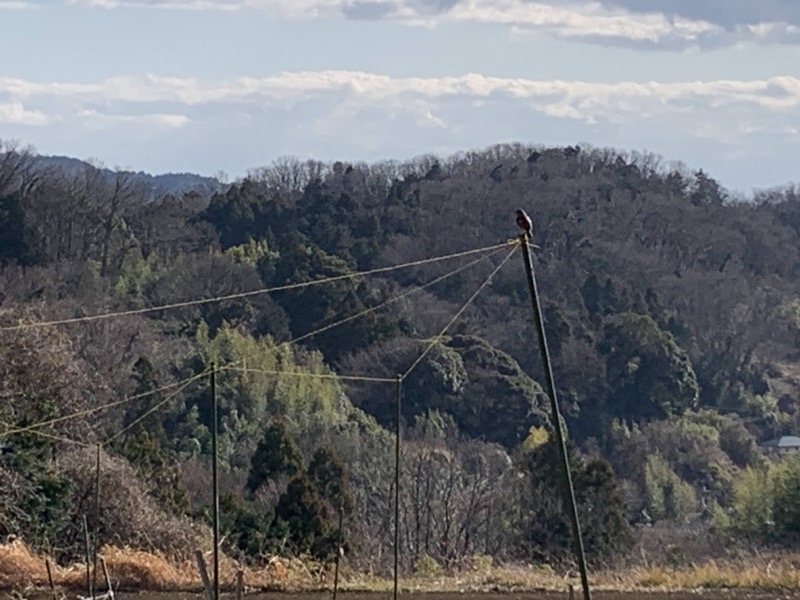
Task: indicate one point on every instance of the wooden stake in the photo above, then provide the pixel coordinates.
(109, 589)
(239, 584)
(50, 578)
(201, 566)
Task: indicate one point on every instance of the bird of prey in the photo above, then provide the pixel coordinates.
(524, 222)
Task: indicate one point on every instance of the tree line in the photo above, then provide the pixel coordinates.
(670, 306)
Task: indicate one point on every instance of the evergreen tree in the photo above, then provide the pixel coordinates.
(247, 527)
(650, 375)
(145, 446)
(276, 454)
(13, 241)
(43, 511)
(302, 510)
(312, 308)
(546, 531)
(327, 473)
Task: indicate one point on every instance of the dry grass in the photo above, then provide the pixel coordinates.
(766, 575)
(757, 574)
(21, 569)
(135, 569)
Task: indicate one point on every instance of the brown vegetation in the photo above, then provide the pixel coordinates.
(21, 569)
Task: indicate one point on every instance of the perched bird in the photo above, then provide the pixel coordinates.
(524, 221)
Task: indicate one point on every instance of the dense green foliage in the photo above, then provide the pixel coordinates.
(276, 454)
(671, 312)
(766, 503)
(547, 532)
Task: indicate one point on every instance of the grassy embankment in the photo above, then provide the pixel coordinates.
(22, 570)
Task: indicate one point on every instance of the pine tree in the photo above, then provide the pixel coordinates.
(276, 454)
(307, 518)
(327, 472)
(547, 533)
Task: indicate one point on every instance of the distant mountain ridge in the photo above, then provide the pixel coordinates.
(157, 186)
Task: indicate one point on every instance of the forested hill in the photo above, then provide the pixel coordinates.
(151, 186)
(672, 311)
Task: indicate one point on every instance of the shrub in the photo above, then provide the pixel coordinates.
(427, 566)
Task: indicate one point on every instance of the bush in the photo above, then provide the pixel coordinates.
(752, 504)
(129, 515)
(785, 488)
(427, 566)
(767, 502)
(546, 532)
(667, 495)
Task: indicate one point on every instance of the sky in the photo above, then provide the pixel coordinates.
(225, 86)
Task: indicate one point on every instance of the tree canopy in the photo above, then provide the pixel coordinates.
(671, 309)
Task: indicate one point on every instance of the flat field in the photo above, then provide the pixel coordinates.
(738, 594)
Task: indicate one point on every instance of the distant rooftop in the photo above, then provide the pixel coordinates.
(786, 441)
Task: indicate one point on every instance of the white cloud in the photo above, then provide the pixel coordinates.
(649, 23)
(585, 101)
(584, 21)
(14, 113)
(238, 123)
(726, 13)
(284, 8)
(96, 119)
(172, 102)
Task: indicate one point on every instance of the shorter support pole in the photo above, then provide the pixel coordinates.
(338, 548)
(398, 426)
(214, 475)
(90, 591)
(96, 516)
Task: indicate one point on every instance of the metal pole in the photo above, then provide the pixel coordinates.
(338, 547)
(96, 516)
(90, 591)
(214, 476)
(398, 422)
(551, 392)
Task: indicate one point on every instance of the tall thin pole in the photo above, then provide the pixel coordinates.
(96, 515)
(89, 588)
(214, 476)
(338, 547)
(398, 421)
(569, 490)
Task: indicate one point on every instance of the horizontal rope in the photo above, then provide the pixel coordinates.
(51, 436)
(102, 407)
(490, 250)
(315, 375)
(280, 288)
(147, 413)
(406, 294)
(438, 338)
